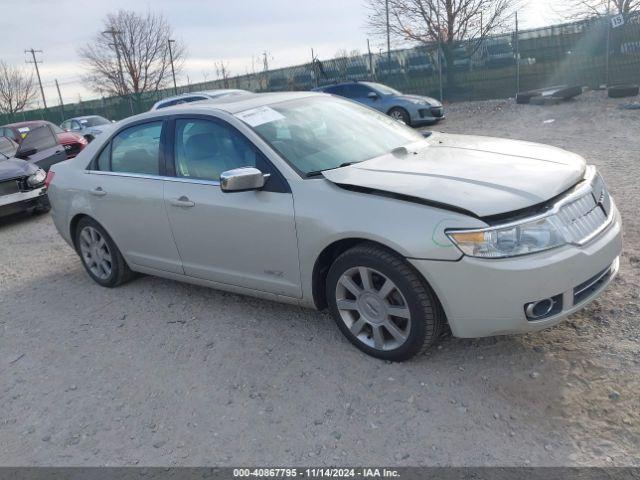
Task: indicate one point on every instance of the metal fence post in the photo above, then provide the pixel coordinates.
(517, 58)
(608, 43)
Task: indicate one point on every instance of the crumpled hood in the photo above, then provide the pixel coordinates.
(15, 168)
(482, 175)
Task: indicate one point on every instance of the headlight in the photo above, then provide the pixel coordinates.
(37, 178)
(420, 102)
(509, 241)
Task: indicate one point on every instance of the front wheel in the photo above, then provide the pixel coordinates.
(401, 115)
(381, 304)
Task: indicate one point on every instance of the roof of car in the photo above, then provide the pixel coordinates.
(201, 92)
(83, 117)
(29, 123)
(231, 104)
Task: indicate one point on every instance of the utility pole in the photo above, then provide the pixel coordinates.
(35, 63)
(61, 102)
(388, 36)
(173, 72)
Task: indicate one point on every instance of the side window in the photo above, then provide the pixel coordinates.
(337, 90)
(204, 149)
(358, 91)
(137, 149)
(75, 125)
(103, 163)
(65, 125)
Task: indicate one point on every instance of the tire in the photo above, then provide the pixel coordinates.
(369, 311)
(118, 271)
(400, 114)
(621, 91)
(525, 97)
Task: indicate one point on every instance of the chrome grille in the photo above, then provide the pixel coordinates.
(584, 217)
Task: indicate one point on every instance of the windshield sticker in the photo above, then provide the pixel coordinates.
(259, 116)
(84, 121)
(24, 129)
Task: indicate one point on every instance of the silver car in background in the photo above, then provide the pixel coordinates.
(314, 200)
(196, 97)
(89, 126)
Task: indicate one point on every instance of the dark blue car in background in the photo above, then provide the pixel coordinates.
(414, 110)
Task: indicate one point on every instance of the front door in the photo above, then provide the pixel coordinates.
(125, 191)
(246, 239)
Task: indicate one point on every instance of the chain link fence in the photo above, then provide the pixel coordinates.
(592, 53)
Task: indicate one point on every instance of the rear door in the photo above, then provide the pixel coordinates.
(41, 147)
(125, 190)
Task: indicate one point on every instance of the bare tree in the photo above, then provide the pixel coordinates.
(598, 8)
(17, 88)
(440, 21)
(223, 73)
(131, 54)
(344, 53)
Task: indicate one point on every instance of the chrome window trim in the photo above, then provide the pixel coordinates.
(155, 177)
(584, 187)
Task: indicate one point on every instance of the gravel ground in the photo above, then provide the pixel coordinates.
(162, 373)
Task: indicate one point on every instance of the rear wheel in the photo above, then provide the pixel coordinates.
(100, 256)
(381, 304)
(400, 114)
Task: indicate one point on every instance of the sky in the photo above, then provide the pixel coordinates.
(236, 32)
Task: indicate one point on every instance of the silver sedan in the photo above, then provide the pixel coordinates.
(314, 200)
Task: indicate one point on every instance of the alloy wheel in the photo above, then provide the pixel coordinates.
(95, 252)
(373, 308)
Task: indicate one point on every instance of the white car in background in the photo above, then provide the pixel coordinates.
(196, 97)
(315, 200)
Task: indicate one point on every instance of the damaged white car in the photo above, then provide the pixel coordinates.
(314, 200)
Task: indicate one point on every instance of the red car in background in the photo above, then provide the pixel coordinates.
(73, 143)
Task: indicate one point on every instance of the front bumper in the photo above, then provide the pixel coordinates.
(20, 201)
(422, 114)
(483, 297)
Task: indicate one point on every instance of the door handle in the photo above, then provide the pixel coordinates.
(183, 202)
(98, 192)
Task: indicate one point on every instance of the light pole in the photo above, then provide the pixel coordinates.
(173, 72)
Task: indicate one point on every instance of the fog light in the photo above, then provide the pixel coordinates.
(543, 308)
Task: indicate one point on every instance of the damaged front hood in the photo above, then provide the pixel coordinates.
(481, 175)
(16, 168)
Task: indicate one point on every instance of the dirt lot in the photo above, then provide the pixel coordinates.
(161, 373)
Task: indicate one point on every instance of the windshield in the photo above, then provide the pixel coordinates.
(320, 133)
(93, 121)
(383, 89)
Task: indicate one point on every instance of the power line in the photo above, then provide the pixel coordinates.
(35, 63)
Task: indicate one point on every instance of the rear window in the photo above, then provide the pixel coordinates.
(40, 138)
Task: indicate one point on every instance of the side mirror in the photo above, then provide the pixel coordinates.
(242, 179)
(372, 95)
